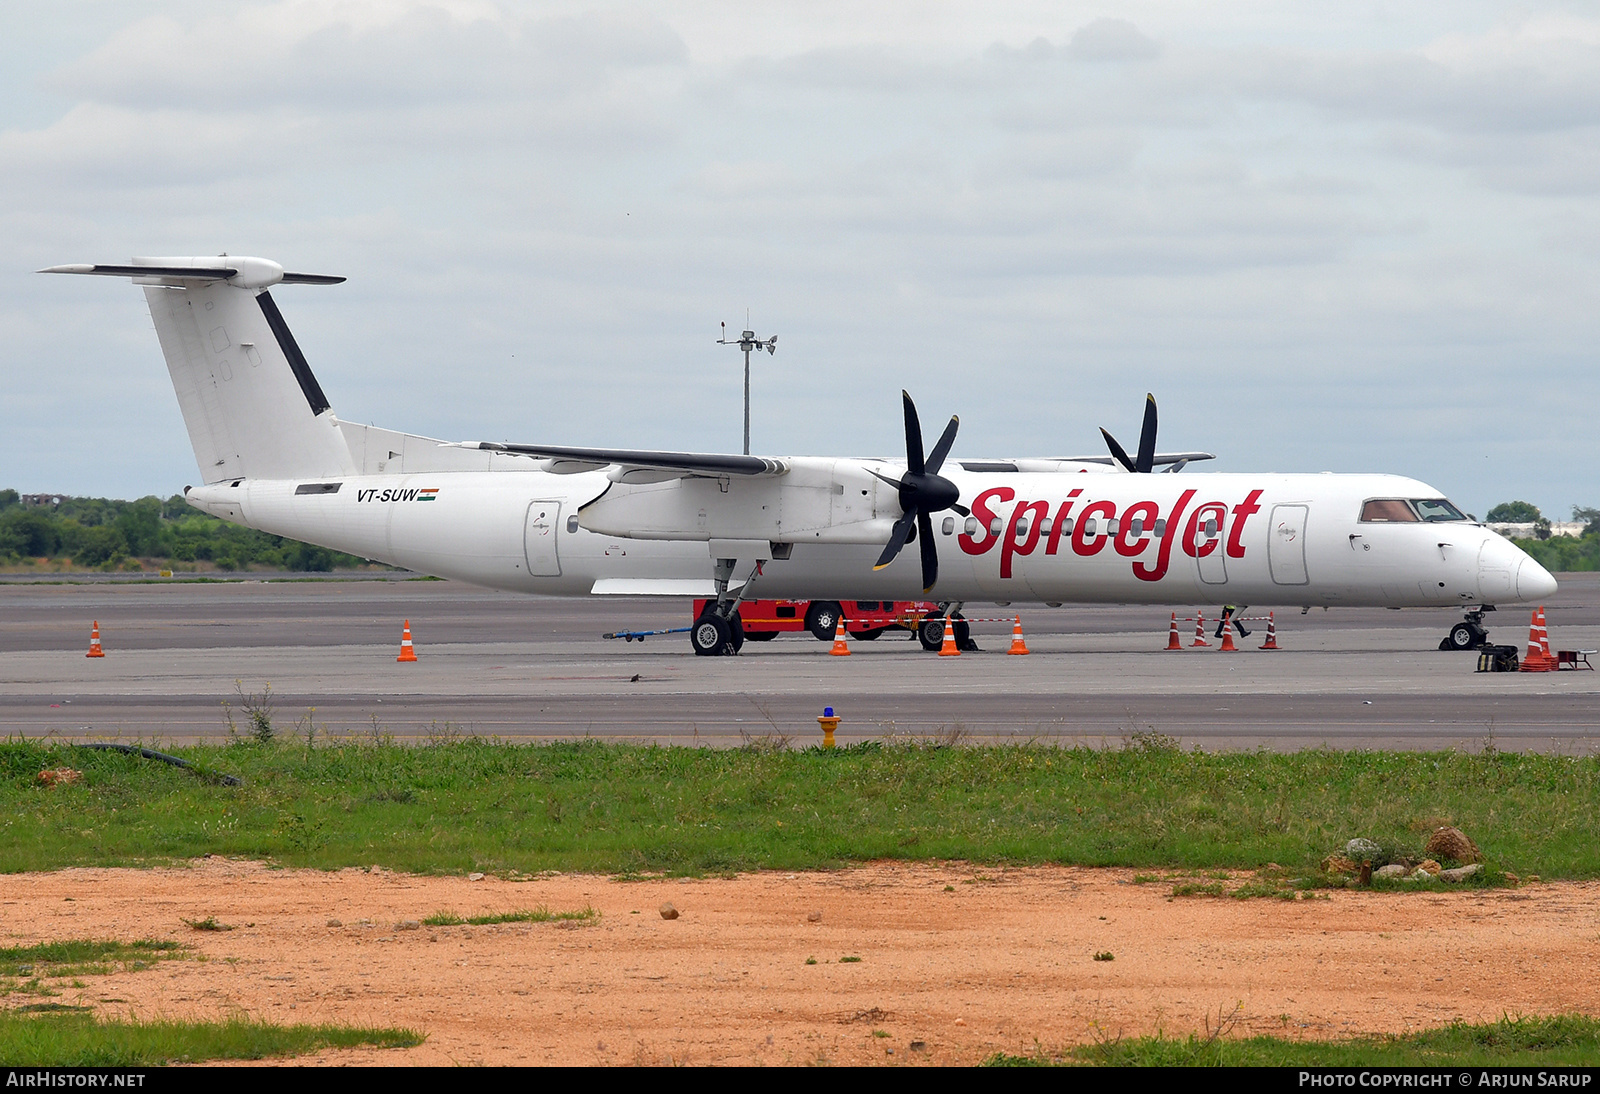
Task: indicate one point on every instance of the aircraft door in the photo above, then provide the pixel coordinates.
(539, 538)
(1286, 545)
(1205, 532)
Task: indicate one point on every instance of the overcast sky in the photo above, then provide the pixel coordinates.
(1353, 237)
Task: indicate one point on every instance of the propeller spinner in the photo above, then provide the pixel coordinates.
(1146, 459)
(923, 491)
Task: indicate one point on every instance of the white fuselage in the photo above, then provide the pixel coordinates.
(1190, 538)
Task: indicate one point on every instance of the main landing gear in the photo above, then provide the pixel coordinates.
(930, 632)
(719, 632)
(1470, 633)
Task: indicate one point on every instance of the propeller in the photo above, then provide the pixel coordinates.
(1146, 459)
(923, 491)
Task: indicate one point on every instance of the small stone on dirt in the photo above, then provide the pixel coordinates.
(813, 917)
(335, 923)
(668, 912)
(408, 925)
(1392, 870)
(1460, 873)
(1452, 843)
(1364, 850)
(474, 877)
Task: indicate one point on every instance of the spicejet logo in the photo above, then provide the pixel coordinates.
(1139, 527)
(374, 494)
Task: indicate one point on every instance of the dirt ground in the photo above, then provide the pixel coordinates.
(955, 963)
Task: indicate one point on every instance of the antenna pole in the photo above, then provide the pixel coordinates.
(748, 341)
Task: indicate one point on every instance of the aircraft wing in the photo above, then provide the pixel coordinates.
(634, 464)
(1161, 458)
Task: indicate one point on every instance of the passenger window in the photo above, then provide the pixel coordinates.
(1022, 528)
(1138, 526)
(949, 525)
(1387, 511)
(1044, 526)
(972, 526)
(1111, 526)
(572, 523)
(1211, 527)
(1066, 527)
(1088, 528)
(1161, 527)
(995, 526)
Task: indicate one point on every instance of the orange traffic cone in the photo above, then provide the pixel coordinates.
(407, 651)
(948, 647)
(1272, 634)
(1017, 644)
(841, 648)
(1172, 634)
(1227, 641)
(1538, 659)
(1199, 630)
(94, 642)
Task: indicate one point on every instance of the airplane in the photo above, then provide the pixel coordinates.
(570, 521)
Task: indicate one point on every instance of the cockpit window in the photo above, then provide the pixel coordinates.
(1433, 509)
(1387, 510)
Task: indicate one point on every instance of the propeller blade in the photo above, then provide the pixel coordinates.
(897, 540)
(1116, 451)
(930, 551)
(1147, 437)
(942, 449)
(962, 509)
(914, 462)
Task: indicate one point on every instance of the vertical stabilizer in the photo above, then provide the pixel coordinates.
(252, 406)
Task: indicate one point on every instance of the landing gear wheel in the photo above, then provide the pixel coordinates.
(1466, 636)
(963, 635)
(930, 632)
(822, 619)
(735, 634)
(711, 636)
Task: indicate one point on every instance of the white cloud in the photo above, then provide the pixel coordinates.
(1298, 221)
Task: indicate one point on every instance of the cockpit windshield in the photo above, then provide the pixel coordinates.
(1436, 509)
(1387, 511)
(1403, 511)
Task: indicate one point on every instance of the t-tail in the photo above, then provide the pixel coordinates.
(252, 406)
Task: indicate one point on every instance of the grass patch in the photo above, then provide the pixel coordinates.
(1567, 1040)
(209, 923)
(540, 914)
(82, 957)
(464, 804)
(65, 1039)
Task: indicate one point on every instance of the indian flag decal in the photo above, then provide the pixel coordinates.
(428, 494)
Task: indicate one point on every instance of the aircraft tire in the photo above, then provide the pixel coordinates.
(710, 636)
(1464, 636)
(822, 619)
(735, 634)
(930, 632)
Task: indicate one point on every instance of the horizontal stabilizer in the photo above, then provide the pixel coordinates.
(246, 273)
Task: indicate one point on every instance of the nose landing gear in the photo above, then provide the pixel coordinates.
(1470, 633)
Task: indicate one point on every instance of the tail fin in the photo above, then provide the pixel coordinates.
(253, 408)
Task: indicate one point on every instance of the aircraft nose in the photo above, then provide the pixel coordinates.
(1534, 582)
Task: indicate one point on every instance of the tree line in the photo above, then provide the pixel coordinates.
(107, 534)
